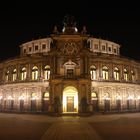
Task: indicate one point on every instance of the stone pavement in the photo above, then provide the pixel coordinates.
(70, 131)
(43, 127)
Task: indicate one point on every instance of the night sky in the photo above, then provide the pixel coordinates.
(22, 22)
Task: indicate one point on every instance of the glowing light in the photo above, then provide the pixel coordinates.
(130, 98)
(35, 98)
(10, 98)
(106, 98)
(93, 96)
(119, 97)
(70, 92)
(138, 97)
(0, 97)
(21, 98)
(46, 96)
(76, 30)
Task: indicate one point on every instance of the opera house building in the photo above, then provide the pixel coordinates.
(69, 72)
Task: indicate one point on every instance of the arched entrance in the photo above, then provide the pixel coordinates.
(70, 100)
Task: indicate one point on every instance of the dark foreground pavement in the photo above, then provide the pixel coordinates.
(42, 127)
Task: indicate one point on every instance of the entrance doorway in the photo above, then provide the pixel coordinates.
(70, 103)
(70, 100)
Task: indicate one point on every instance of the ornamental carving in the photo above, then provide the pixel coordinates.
(69, 48)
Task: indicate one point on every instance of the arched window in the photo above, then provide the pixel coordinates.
(93, 72)
(23, 73)
(47, 72)
(93, 96)
(7, 76)
(35, 73)
(34, 96)
(116, 74)
(105, 73)
(14, 75)
(125, 74)
(70, 68)
(46, 96)
(132, 75)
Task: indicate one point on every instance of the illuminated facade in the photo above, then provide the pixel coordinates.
(61, 70)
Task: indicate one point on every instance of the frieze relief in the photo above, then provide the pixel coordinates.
(69, 48)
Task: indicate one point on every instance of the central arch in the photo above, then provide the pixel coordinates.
(70, 100)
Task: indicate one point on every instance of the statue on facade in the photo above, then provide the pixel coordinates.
(69, 21)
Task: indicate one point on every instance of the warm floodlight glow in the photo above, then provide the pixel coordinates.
(130, 98)
(46, 96)
(119, 97)
(93, 96)
(0, 97)
(106, 98)
(35, 98)
(70, 92)
(21, 98)
(138, 97)
(10, 98)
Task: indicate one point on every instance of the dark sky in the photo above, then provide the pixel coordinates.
(22, 22)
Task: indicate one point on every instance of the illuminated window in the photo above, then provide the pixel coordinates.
(70, 68)
(46, 96)
(7, 76)
(116, 74)
(23, 73)
(93, 72)
(34, 96)
(34, 73)
(125, 75)
(132, 75)
(47, 72)
(105, 73)
(93, 96)
(14, 76)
